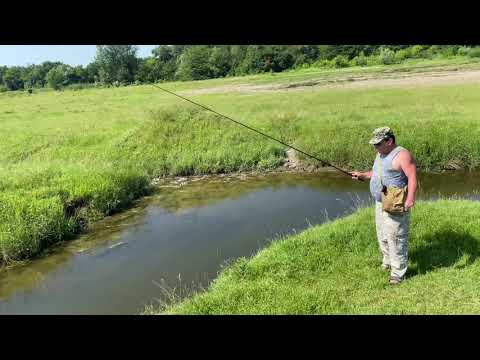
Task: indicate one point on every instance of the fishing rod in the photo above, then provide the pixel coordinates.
(257, 131)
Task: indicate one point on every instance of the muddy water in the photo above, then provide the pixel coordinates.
(182, 236)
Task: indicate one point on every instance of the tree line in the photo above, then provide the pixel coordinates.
(119, 64)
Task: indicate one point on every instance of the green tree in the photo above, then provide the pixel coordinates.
(117, 63)
(282, 57)
(252, 62)
(163, 53)
(27, 78)
(149, 70)
(58, 76)
(37, 76)
(178, 50)
(41, 71)
(329, 52)
(3, 70)
(220, 61)
(167, 59)
(237, 56)
(12, 79)
(91, 73)
(305, 54)
(194, 63)
(77, 75)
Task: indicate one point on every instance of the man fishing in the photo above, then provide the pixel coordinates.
(393, 184)
(393, 188)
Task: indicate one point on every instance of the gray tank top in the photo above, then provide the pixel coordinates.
(390, 177)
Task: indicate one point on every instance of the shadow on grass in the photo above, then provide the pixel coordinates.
(443, 249)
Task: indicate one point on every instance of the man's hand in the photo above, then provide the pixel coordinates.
(409, 204)
(357, 175)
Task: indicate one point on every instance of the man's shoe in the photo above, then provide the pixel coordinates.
(395, 280)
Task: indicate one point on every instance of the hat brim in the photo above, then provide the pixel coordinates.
(375, 141)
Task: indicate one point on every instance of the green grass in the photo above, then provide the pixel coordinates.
(319, 73)
(68, 158)
(334, 268)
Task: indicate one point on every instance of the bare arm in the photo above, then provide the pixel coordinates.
(362, 175)
(409, 167)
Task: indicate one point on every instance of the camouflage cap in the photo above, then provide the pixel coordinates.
(380, 134)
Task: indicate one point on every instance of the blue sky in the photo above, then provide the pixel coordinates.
(21, 55)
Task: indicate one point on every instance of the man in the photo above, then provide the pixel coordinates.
(398, 169)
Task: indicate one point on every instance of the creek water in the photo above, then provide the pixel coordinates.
(181, 237)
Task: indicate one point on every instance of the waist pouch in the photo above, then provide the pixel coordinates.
(393, 199)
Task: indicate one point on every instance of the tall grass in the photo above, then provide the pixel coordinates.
(334, 268)
(189, 141)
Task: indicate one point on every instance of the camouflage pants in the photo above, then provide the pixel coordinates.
(392, 234)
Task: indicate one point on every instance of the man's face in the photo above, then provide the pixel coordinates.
(384, 146)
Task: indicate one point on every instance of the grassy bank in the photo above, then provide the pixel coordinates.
(335, 269)
(68, 158)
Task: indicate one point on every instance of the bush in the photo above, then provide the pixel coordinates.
(303, 66)
(359, 60)
(431, 52)
(386, 56)
(463, 51)
(402, 55)
(321, 63)
(474, 52)
(373, 60)
(446, 52)
(416, 51)
(3, 88)
(340, 61)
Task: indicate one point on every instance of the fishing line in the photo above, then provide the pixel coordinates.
(255, 130)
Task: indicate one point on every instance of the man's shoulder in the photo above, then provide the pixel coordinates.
(405, 155)
(404, 152)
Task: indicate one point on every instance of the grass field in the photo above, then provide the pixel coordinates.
(334, 268)
(68, 158)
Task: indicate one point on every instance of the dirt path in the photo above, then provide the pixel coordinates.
(394, 79)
